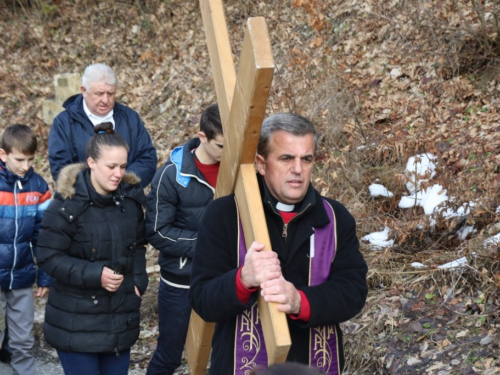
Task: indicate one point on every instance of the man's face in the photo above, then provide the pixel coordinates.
(17, 162)
(288, 167)
(107, 171)
(213, 148)
(100, 98)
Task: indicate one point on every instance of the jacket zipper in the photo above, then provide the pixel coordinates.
(284, 234)
(15, 235)
(285, 231)
(198, 179)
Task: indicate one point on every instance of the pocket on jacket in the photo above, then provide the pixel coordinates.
(176, 265)
(132, 302)
(74, 303)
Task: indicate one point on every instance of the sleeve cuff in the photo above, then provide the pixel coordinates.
(305, 309)
(242, 291)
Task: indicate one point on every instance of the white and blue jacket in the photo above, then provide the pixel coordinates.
(178, 197)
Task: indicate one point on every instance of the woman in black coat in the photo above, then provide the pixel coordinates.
(92, 244)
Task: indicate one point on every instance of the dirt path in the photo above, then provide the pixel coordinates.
(47, 362)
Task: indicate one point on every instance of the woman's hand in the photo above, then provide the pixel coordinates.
(109, 280)
(137, 291)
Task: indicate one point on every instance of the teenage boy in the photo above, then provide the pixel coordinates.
(24, 195)
(180, 191)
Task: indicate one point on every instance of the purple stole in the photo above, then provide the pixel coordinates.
(250, 349)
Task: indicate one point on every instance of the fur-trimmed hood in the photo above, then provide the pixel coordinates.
(68, 177)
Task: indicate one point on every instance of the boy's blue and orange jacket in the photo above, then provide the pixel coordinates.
(22, 203)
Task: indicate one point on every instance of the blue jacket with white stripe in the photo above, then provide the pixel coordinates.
(178, 197)
(22, 203)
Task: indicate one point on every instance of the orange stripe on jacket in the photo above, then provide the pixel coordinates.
(24, 199)
(6, 198)
(45, 197)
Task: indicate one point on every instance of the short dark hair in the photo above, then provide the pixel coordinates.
(104, 136)
(210, 122)
(288, 368)
(288, 122)
(21, 137)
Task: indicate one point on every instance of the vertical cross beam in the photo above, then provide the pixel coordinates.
(242, 102)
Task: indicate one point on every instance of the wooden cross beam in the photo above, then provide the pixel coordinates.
(242, 103)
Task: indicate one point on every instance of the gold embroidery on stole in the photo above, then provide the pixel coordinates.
(322, 351)
(250, 336)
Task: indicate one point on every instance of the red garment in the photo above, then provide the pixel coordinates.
(209, 171)
(242, 291)
(287, 216)
(305, 308)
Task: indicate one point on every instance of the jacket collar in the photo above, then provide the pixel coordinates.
(11, 178)
(75, 188)
(74, 105)
(316, 212)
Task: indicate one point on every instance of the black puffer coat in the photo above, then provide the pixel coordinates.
(81, 233)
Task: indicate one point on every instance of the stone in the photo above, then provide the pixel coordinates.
(65, 85)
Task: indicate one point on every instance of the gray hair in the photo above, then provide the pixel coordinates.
(98, 73)
(288, 122)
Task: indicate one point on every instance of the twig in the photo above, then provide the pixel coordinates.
(382, 16)
(470, 315)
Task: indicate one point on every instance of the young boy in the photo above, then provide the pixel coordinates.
(180, 191)
(24, 195)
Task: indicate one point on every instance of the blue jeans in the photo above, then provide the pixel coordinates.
(174, 312)
(94, 363)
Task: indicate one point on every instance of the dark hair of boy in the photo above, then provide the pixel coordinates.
(20, 137)
(104, 136)
(210, 122)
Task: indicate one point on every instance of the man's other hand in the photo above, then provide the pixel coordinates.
(282, 292)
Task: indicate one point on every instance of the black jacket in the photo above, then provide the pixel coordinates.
(72, 129)
(81, 233)
(213, 287)
(178, 197)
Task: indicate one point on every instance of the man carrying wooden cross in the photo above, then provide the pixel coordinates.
(315, 273)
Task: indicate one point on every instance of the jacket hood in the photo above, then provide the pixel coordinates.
(68, 177)
(185, 166)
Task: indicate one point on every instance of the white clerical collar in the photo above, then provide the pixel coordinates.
(285, 207)
(96, 120)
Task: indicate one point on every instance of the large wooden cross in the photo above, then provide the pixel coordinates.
(242, 103)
